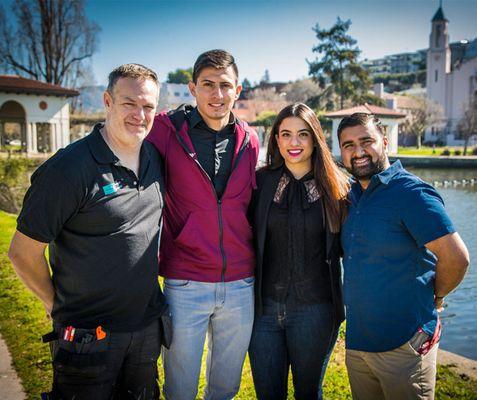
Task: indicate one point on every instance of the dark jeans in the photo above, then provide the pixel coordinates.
(302, 338)
(121, 366)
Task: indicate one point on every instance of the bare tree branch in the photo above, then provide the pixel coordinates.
(467, 126)
(49, 40)
(426, 114)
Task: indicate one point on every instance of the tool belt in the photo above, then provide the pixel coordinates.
(77, 335)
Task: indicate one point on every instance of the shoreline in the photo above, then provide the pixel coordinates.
(469, 162)
(462, 365)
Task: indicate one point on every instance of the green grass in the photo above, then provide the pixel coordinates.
(429, 151)
(23, 321)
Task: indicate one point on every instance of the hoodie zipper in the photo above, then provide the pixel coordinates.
(218, 200)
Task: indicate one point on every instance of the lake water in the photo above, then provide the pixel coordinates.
(459, 318)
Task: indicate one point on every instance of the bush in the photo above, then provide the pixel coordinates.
(457, 152)
(474, 151)
(446, 152)
(14, 180)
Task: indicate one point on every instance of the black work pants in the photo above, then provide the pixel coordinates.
(120, 366)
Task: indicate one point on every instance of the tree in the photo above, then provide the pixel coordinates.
(266, 118)
(180, 76)
(425, 114)
(338, 61)
(246, 85)
(467, 125)
(372, 99)
(50, 41)
(265, 77)
(302, 90)
(268, 94)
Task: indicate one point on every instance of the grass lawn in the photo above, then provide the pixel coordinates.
(23, 321)
(429, 151)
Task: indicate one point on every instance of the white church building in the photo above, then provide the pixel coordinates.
(451, 80)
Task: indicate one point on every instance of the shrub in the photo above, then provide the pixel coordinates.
(474, 151)
(14, 180)
(445, 152)
(457, 152)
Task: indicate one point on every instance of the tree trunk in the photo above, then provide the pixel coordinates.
(466, 144)
(418, 140)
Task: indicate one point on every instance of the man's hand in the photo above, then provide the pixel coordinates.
(452, 262)
(28, 258)
(439, 303)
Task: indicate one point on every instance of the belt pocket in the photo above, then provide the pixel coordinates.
(166, 328)
(74, 360)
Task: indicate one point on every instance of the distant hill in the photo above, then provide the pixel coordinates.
(90, 99)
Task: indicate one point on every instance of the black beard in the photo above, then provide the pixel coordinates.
(367, 172)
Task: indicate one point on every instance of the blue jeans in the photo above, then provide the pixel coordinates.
(303, 338)
(224, 311)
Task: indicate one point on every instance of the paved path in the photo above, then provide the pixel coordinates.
(10, 386)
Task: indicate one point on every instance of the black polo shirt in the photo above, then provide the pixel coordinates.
(102, 225)
(215, 149)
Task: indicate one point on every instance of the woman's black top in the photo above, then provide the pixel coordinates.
(294, 263)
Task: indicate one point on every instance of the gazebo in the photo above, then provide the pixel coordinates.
(389, 118)
(38, 111)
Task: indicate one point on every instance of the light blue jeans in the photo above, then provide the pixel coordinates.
(224, 311)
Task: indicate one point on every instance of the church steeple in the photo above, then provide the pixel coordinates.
(439, 15)
(439, 39)
(438, 58)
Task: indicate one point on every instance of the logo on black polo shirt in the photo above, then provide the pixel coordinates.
(111, 188)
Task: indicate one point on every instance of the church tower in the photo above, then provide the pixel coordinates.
(438, 59)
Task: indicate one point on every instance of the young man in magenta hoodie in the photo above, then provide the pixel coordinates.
(207, 256)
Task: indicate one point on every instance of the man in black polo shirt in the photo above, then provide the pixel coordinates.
(98, 205)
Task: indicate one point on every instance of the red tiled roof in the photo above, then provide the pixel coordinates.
(367, 109)
(248, 110)
(18, 84)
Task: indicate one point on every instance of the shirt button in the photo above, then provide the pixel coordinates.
(352, 235)
(357, 212)
(350, 258)
(135, 182)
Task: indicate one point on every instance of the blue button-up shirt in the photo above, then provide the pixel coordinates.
(388, 271)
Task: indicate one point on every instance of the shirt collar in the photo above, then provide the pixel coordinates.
(383, 177)
(104, 155)
(195, 118)
(309, 175)
(386, 175)
(98, 147)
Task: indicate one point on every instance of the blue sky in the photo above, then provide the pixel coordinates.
(262, 34)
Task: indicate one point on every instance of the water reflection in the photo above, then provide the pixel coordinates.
(458, 318)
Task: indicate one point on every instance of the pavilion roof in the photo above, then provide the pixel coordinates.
(18, 84)
(380, 112)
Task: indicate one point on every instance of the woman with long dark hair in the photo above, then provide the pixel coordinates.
(297, 212)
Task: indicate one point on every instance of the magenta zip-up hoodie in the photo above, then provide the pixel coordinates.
(204, 238)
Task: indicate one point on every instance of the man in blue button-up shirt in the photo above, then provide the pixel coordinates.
(401, 257)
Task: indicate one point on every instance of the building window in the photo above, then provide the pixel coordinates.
(438, 35)
(186, 94)
(177, 94)
(435, 78)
